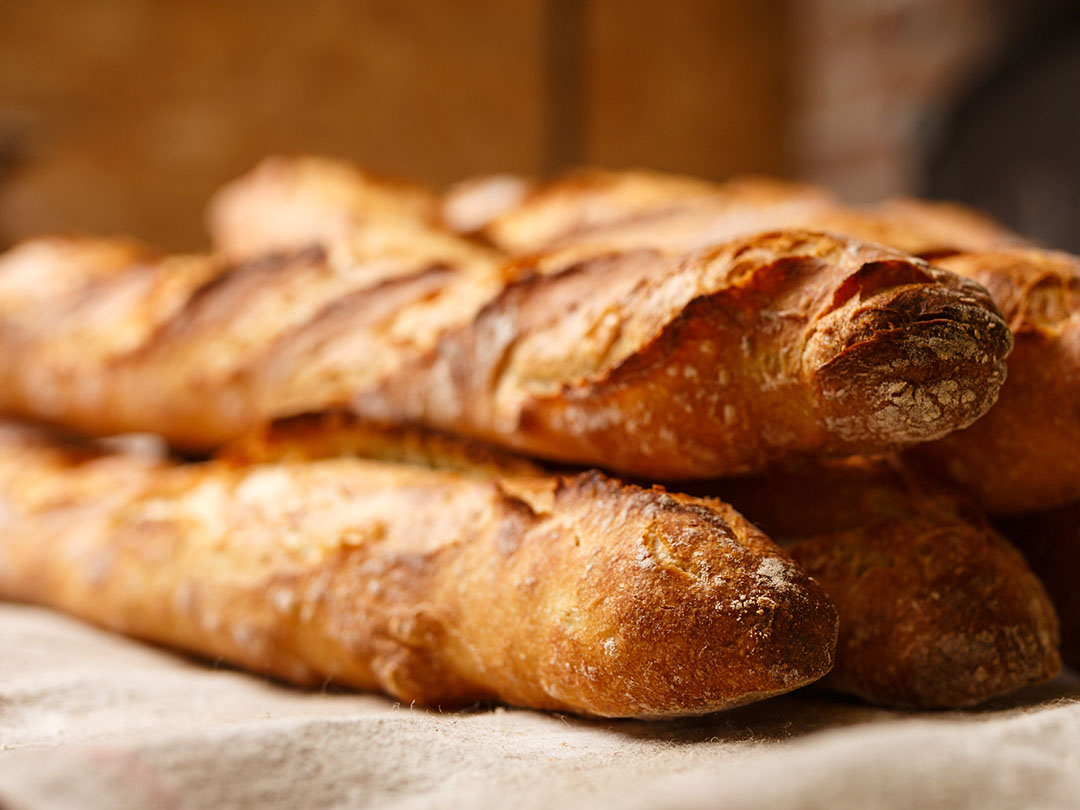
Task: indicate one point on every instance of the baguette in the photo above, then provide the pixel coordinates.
(1051, 542)
(574, 594)
(937, 609)
(469, 206)
(1024, 455)
(571, 209)
(651, 362)
(655, 364)
(290, 202)
(738, 207)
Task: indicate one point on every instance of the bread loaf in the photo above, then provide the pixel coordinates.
(467, 207)
(443, 587)
(661, 363)
(602, 208)
(290, 202)
(652, 363)
(584, 202)
(608, 209)
(936, 608)
(1024, 454)
(742, 206)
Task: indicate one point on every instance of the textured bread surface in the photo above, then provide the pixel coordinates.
(1050, 541)
(571, 208)
(673, 365)
(649, 362)
(1025, 454)
(295, 201)
(936, 608)
(649, 209)
(654, 362)
(436, 585)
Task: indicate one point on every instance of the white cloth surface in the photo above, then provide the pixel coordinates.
(90, 720)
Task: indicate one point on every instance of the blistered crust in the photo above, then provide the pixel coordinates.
(936, 608)
(575, 594)
(665, 365)
(1024, 455)
(652, 362)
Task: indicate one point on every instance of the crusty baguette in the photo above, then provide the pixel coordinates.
(289, 202)
(656, 364)
(670, 366)
(573, 594)
(44, 270)
(632, 209)
(1024, 454)
(735, 208)
(936, 608)
(584, 204)
(652, 362)
(1051, 542)
(168, 345)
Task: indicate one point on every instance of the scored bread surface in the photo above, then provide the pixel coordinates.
(444, 587)
(1024, 455)
(936, 608)
(650, 362)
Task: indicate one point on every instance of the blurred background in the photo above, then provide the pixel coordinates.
(122, 116)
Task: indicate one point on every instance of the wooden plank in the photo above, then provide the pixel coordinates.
(128, 114)
(695, 86)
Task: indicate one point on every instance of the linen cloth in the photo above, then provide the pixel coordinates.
(92, 720)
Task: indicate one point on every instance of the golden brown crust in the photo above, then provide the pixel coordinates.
(653, 363)
(1051, 543)
(293, 202)
(936, 608)
(652, 210)
(42, 270)
(1035, 424)
(779, 344)
(618, 329)
(671, 366)
(1024, 455)
(581, 200)
(611, 600)
(943, 228)
(336, 434)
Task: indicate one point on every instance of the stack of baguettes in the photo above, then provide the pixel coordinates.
(400, 393)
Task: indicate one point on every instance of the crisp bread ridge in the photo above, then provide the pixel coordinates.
(648, 362)
(937, 609)
(570, 593)
(1033, 425)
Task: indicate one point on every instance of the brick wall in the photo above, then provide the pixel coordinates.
(874, 80)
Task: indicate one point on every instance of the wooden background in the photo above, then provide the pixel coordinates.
(122, 116)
